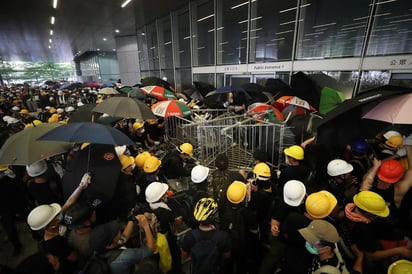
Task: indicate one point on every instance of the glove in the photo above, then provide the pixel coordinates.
(401, 152)
(86, 180)
(407, 141)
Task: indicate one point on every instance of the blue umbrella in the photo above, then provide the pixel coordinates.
(226, 89)
(87, 133)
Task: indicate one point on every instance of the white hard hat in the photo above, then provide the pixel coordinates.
(42, 215)
(294, 192)
(338, 167)
(12, 120)
(70, 109)
(47, 107)
(79, 104)
(120, 150)
(6, 118)
(155, 191)
(330, 269)
(37, 168)
(15, 108)
(199, 173)
(60, 110)
(391, 133)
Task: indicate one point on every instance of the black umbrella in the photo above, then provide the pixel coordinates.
(103, 164)
(256, 92)
(303, 87)
(155, 81)
(203, 87)
(84, 114)
(343, 124)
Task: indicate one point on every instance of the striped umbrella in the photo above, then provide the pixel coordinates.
(171, 108)
(160, 93)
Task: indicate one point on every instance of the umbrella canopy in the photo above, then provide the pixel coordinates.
(22, 148)
(133, 92)
(87, 133)
(103, 164)
(304, 88)
(108, 90)
(155, 81)
(160, 93)
(171, 108)
(84, 114)
(124, 107)
(396, 110)
(270, 113)
(286, 101)
(203, 87)
(329, 99)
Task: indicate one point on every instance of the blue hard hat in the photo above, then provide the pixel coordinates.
(359, 146)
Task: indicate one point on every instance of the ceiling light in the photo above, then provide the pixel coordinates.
(55, 4)
(104, 39)
(114, 49)
(241, 4)
(125, 3)
(50, 40)
(52, 20)
(116, 30)
(51, 32)
(49, 47)
(206, 17)
(98, 49)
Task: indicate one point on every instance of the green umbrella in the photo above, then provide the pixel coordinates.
(329, 99)
(23, 149)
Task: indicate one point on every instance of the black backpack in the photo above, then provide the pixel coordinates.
(233, 223)
(205, 254)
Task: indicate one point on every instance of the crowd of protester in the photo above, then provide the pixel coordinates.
(350, 214)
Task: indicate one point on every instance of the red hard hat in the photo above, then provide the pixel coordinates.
(390, 171)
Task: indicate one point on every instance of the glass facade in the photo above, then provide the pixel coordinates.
(215, 40)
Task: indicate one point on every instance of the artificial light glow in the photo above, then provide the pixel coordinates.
(51, 32)
(54, 4)
(104, 39)
(125, 3)
(98, 49)
(116, 30)
(52, 20)
(49, 47)
(50, 40)
(114, 49)
(206, 17)
(167, 43)
(241, 4)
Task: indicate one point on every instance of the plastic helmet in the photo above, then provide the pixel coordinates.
(37, 168)
(59, 110)
(262, 171)
(199, 173)
(390, 134)
(70, 109)
(155, 191)
(236, 192)
(53, 110)
(120, 150)
(42, 215)
(394, 141)
(15, 108)
(84, 145)
(295, 151)
(359, 146)
(137, 125)
(320, 204)
(205, 209)
(330, 269)
(151, 164)
(186, 148)
(400, 267)
(24, 111)
(338, 167)
(294, 192)
(3, 168)
(126, 161)
(34, 123)
(371, 202)
(141, 158)
(390, 171)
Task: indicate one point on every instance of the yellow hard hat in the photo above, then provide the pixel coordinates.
(53, 110)
(137, 125)
(295, 151)
(400, 267)
(320, 204)
(151, 164)
(236, 192)
(394, 141)
(186, 148)
(4, 167)
(84, 145)
(24, 111)
(262, 171)
(371, 202)
(141, 158)
(126, 161)
(53, 120)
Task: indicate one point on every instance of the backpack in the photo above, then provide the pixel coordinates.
(205, 254)
(220, 183)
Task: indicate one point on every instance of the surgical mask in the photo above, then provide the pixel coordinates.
(287, 162)
(133, 166)
(311, 249)
(141, 131)
(62, 230)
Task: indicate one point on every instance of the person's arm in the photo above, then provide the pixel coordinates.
(150, 242)
(85, 181)
(370, 175)
(403, 186)
(358, 265)
(388, 253)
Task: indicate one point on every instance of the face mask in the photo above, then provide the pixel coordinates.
(10, 173)
(62, 230)
(133, 166)
(311, 249)
(287, 161)
(141, 131)
(59, 217)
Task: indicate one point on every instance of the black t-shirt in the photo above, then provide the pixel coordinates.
(223, 240)
(165, 218)
(299, 173)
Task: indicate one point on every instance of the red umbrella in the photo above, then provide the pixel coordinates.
(263, 108)
(171, 108)
(159, 93)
